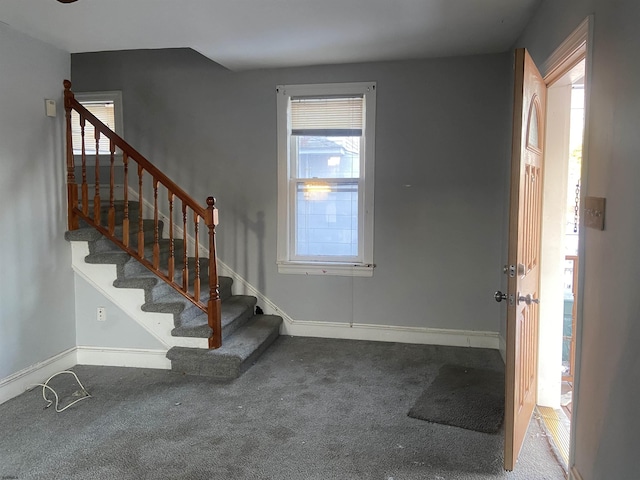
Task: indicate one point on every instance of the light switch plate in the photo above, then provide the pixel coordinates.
(594, 208)
(50, 107)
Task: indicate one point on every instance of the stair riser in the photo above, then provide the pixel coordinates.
(163, 289)
(155, 290)
(238, 323)
(105, 203)
(134, 215)
(106, 245)
(178, 305)
(235, 312)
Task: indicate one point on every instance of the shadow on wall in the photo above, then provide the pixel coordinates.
(244, 231)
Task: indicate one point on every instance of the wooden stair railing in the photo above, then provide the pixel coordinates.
(192, 213)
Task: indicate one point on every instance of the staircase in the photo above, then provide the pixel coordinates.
(152, 257)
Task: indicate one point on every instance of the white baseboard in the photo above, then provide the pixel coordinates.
(392, 333)
(123, 357)
(26, 378)
(502, 346)
(574, 474)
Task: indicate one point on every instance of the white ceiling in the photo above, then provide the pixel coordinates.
(249, 34)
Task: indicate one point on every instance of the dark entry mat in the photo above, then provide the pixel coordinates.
(463, 397)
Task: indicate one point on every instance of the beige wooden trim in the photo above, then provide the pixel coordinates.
(568, 54)
(559, 63)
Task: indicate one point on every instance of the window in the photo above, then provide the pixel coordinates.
(107, 107)
(325, 178)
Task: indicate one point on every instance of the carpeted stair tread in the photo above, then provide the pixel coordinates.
(116, 257)
(86, 234)
(236, 355)
(144, 283)
(236, 311)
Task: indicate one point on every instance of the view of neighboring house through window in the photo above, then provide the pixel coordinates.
(325, 145)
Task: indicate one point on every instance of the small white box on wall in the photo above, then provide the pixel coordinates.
(50, 107)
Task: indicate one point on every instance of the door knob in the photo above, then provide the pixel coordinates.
(499, 296)
(528, 299)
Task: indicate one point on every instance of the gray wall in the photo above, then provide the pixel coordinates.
(36, 286)
(118, 330)
(606, 423)
(443, 126)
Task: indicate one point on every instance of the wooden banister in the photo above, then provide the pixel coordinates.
(191, 210)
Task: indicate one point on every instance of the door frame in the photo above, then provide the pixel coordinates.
(569, 53)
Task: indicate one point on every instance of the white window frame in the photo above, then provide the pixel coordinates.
(287, 263)
(114, 96)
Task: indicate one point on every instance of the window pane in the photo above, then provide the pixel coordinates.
(534, 138)
(326, 219)
(105, 112)
(328, 157)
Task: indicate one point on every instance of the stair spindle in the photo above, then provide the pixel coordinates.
(196, 280)
(125, 221)
(96, 198)
(112, 206)
(83, 153)
(72, 187)
(140, 219)
(185, 258)
(156, 232)
(171, 264)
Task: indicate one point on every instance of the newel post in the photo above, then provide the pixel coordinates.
(214, 306)
(72, 187)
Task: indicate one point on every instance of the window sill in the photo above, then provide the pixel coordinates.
(320, 268)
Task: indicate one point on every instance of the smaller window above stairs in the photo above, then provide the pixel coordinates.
(245, 335)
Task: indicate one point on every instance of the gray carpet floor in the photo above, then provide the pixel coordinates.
(309, 409)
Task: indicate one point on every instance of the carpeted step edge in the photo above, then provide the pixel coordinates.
(86, 234)
(235, 356)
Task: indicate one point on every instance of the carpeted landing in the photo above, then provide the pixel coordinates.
(309, 409)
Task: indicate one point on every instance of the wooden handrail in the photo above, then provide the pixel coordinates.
(208, 215)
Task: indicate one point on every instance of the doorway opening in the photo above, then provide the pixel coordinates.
(559, 255)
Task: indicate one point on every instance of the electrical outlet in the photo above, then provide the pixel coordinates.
(102, 314)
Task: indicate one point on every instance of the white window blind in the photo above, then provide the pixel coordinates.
(327, 116)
